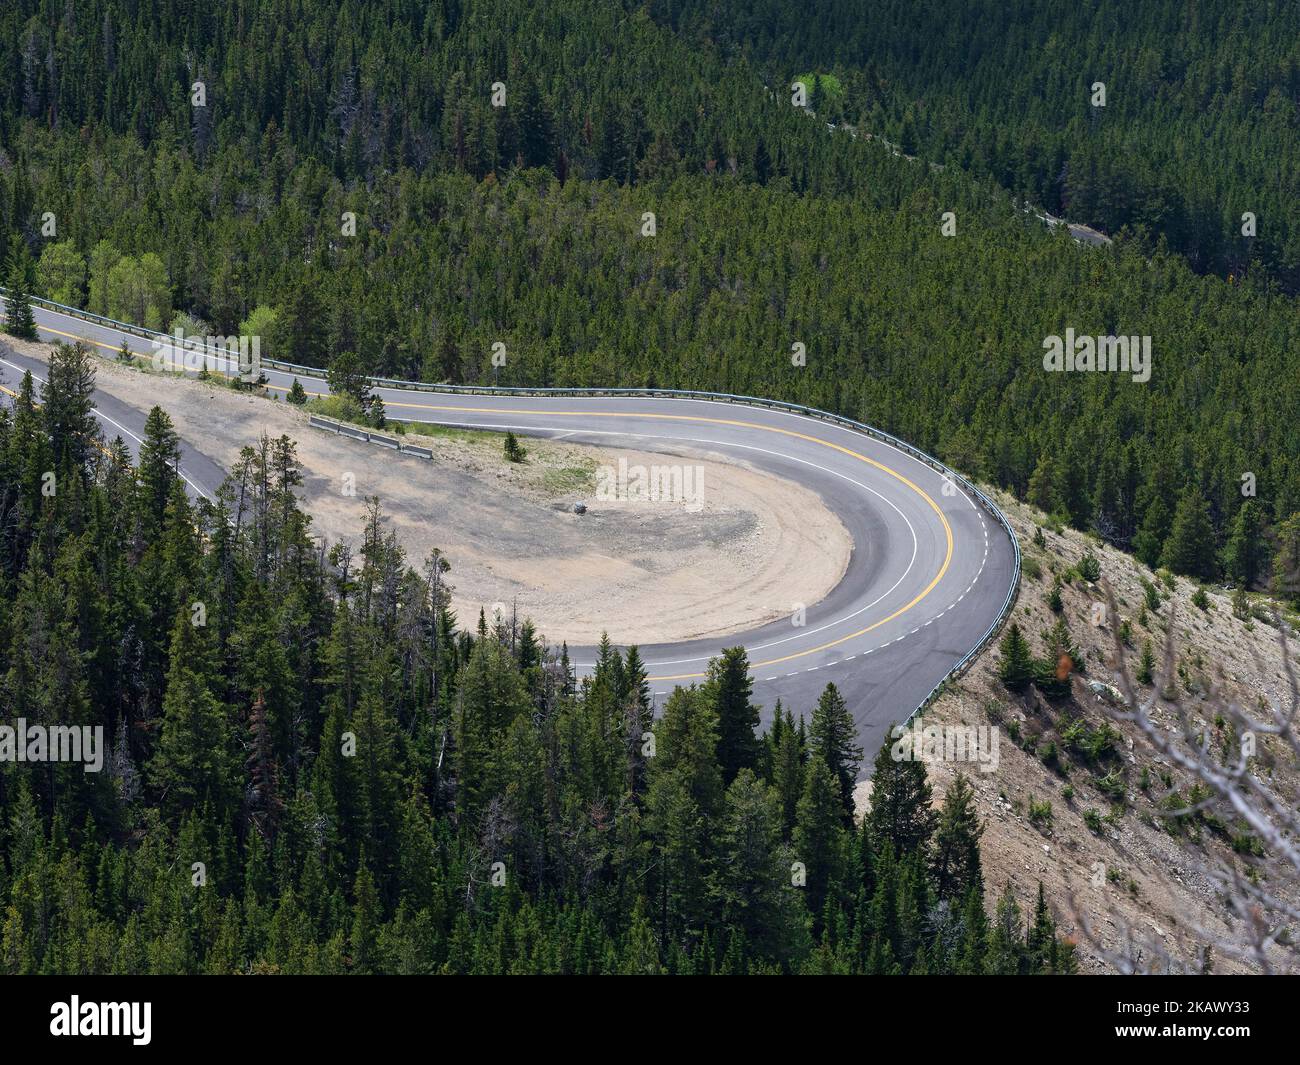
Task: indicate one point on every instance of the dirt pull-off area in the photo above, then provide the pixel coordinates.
(747, 552)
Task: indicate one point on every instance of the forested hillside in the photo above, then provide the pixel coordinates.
(314, 768)
(324, 770)
(523, 224)
(1200, 121)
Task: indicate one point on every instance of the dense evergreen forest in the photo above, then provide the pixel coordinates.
(371, 784)
(315, 769)
(1200, 121)
(523, 224)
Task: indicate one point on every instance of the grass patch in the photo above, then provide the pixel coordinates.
(347, 409)
(450, 432)
(569, 479)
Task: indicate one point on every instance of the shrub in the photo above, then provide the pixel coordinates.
(1241, 605)
(376, 416)
(1090, 568)
(1147, 663)
(513, 450)
(1245, 843)
(340, 407)
(1112, 785)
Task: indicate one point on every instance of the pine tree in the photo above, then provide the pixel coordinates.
(489, 697)
(832, 736)
(68, 404)
(684, 799)
(1153, 532)
(363, 937)
(638, 720)
(973, 950)
(1040, 940)
(900, 803)
(640, 951)
(955, 863)
(346, 377)
(788, 771)
(1006, 951)
(19, 320)
(729, 688)
(160, 457)
(299, 334)
(1147, 663)
(1245, 555)
(635, 679)
(1016, 668)
(1286, 561)
(265, 807)
(817, 833)
(1090, 568)
(1189, 548)
(297, 394)
(753, 876)
(1044, 486)
(1241, 605)
(1052, 672)
(194, 763)
(513, 450)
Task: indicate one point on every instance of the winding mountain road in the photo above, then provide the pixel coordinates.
(930, 570)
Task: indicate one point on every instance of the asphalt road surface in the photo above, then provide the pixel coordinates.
(929, 571)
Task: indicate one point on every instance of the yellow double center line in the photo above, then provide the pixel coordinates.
(947, 529)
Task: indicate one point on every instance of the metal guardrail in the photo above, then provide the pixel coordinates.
(343, 429)
(662, 393)
(98, 319)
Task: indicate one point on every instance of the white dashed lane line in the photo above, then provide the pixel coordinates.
(117, 425)
(896, 639)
